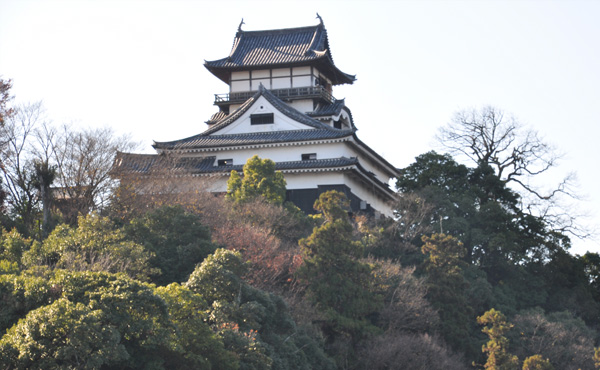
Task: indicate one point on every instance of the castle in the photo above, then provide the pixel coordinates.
(280, 106)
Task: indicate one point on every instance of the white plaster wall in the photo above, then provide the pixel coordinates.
(281, 121)
(279, 72)
(281, 83)
(282, 153)
(263, 73)
(311, 180)
(301, 70)
(301, 81)
(280, 78)
(240, 75)
(304, 105)
(360, 190)
(240, 86)
(294, 153)
(300, 181)
(256, 83)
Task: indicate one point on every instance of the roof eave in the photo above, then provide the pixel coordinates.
(323, 63)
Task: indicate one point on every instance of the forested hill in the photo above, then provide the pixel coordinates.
(467, 275)
(247, 282)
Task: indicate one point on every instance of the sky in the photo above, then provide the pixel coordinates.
(137, 67)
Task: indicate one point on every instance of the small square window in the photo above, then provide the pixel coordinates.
(309, 156)
(262, 119)
(225, 162)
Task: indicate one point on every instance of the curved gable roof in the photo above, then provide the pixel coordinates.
(280, 48)
(316, 130)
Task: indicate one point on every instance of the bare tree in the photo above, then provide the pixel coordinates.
(560, 337)
(407, 351)
(405, 307)
(84, 159)
(518, 155)
(413, 215)
(5, 98)
(23, 144)
(149, 181)
(36, 155)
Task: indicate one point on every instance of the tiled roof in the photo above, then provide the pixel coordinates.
(127, 164)
(149, 163)
(329, 109)
(220, 115)
(131, 163)
(208, 141)
(281, 47)
(209, 138)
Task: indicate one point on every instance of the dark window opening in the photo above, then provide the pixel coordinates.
(337, 124)
(309, 156)
(261, 119)
(225, 162)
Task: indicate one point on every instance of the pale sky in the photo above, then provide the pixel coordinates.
(137, 66)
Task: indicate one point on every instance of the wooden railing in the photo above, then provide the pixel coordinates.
(284, 94)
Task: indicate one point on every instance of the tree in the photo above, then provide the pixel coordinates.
(591, 263)
(597, 357)
(13, 245)
(22, 293)
(337, 281)
(44, 177)
(408, 351)
(560, 337)
(61, 335)
(36, 156)
(5, 98)
(5, 112)
(217, 278)
(253, 324)
(203, 348)
(22, 136)
(537, 362)
(497, 347)
(447, 288)
(96, 244)
(516, 154)
(260, 180)
(132, 308)
(475, 206)
(405, 307)
(84, 159)
(176, 238)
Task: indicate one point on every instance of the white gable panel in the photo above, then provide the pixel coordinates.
(261, 106)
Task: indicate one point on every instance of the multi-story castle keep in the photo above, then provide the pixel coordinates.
(280, 106)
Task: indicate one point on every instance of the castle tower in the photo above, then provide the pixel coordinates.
(280, 106)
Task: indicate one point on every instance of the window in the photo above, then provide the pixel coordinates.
(225, 162)
(309, 156)
(261, 119)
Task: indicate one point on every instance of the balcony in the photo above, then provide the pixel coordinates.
(316, 92)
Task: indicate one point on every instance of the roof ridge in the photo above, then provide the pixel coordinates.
(262, 133)
(281, 30)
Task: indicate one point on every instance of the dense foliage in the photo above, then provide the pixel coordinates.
(260, 180)
(196, 282)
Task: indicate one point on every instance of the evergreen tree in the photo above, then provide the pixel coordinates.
(447, 287)
(497, 347)
(337, 281)
(260, 180)
(537, 362)
(176, 239)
